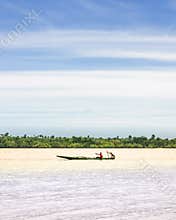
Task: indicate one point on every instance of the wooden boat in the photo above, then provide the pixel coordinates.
(84, 158)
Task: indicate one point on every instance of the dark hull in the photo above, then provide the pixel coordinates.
(83, 158)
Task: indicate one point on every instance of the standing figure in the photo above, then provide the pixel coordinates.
(112, 156)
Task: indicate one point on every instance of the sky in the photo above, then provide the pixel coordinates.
(88, 67)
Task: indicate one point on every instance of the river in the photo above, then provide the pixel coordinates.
(139, 184)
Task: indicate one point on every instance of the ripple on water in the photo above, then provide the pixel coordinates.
(89, 195)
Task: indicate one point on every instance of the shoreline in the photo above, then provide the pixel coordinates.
(41, 141)
(105, 148)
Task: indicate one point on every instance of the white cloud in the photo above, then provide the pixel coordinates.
(147, 84)
(113, 101)
(112, 44)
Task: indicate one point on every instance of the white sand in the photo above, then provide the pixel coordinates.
(45, 159)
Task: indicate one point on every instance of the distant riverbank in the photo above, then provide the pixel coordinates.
(41, 141)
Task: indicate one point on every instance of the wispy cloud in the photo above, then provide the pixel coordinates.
(111, 7)
(89, 84)
(93, 7)
(115, 100)
(108, 44)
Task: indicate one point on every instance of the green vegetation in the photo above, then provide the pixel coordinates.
(40, 141)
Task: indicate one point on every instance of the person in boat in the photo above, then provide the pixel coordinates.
(100, 155)
(112, 156)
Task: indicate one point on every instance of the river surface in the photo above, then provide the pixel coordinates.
(104, 191)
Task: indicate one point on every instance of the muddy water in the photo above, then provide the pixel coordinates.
(139, 184)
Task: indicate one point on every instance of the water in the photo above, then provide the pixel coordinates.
(147, 194)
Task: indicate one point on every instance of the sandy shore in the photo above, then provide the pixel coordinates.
(45, 159)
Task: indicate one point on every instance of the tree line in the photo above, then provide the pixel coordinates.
(41, 141)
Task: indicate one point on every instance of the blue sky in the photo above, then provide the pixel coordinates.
(88, 67)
